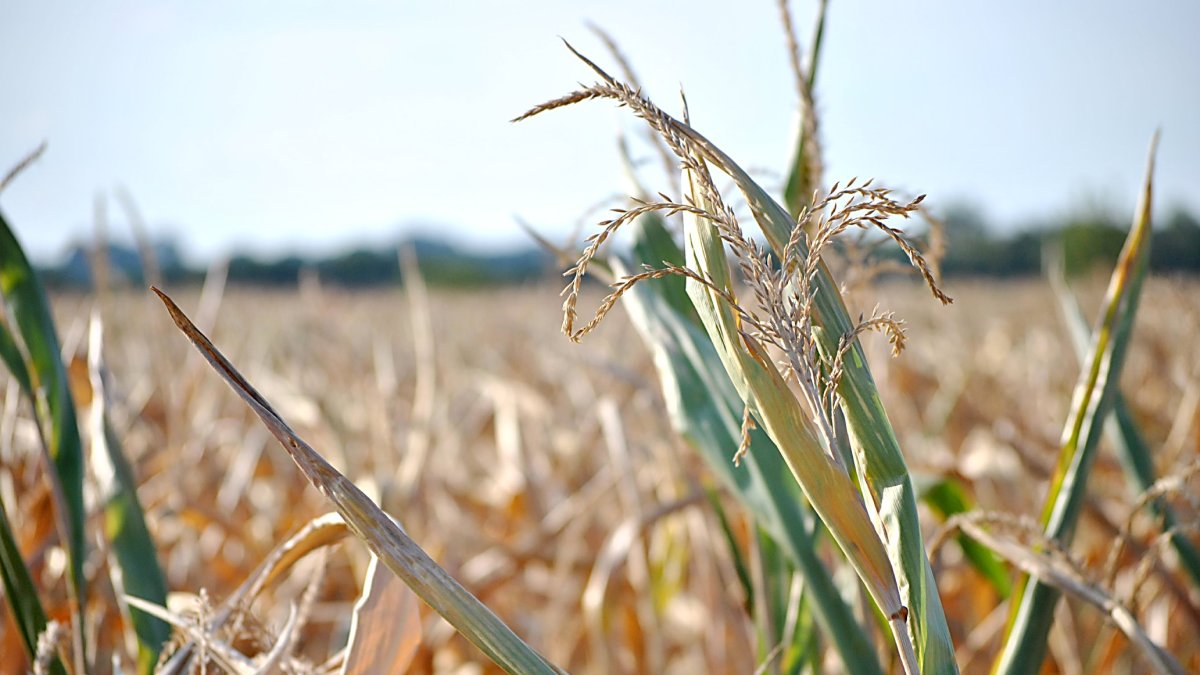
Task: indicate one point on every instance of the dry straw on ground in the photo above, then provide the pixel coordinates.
(549, 481)
(528, 476)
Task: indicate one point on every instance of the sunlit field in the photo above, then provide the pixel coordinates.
(547, 477)
(741, 419)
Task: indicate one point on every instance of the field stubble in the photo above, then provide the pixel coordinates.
(547, 478)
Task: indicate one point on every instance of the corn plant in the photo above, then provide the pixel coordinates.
(795, 367)
(863, 497)
(29, 347)
(1032, 612)
(763, 374)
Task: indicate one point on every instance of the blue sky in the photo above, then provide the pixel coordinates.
(312, 126)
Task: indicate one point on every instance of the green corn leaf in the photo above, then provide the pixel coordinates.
(1125, 434)
(21, 593)
(871, 433)
(132, 547)
(774, 576)
(947, 498)
(32, 337)
(1033, 609)
(706, 410)
(135, 556)
(653, 245)
(912, 599)
(740, 567)
(11, 355)
(804, 653)
(827, 486)
(802, 179)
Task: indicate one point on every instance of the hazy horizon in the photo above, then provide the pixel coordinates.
(249, 129)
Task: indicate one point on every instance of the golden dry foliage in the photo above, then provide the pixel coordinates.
(551, 483)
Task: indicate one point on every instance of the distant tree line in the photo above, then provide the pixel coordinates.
(973, 249)
(440, 264)
(1085, 241)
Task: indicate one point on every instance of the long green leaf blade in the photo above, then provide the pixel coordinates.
(1126, 436)
(803, 176)
(885, 485)
(827, 485)
(705, 409)
(133, 548)
(21, 593)
(1033, 611)
(45, 375)
(948, 498)
(11, 355)
(870, 430)
(653, 245)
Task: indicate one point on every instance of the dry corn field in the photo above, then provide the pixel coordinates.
(547, 477)
(775, 454)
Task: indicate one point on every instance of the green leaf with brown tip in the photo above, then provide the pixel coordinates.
(376, 529)
(1033, 608)
(1126, 436)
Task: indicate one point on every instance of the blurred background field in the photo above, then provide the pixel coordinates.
(551, 482)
